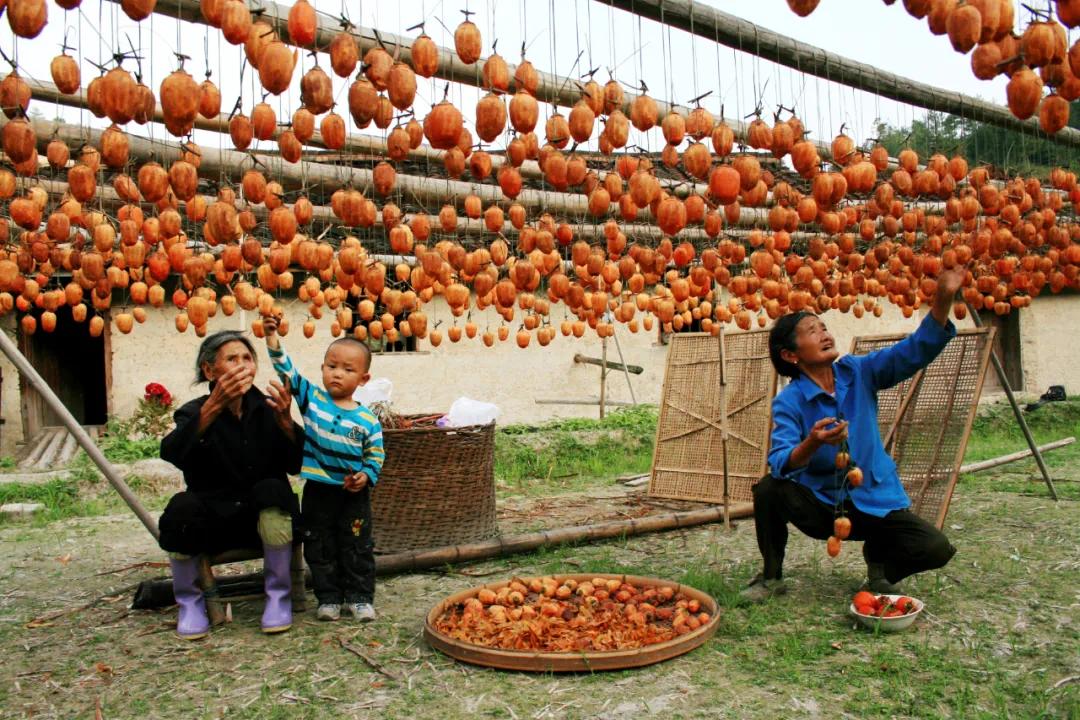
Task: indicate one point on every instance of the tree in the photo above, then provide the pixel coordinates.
(1006, 151)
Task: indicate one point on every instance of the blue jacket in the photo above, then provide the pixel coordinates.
(858, 378)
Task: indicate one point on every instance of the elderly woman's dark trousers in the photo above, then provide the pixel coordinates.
(902, 542)
(195, 523)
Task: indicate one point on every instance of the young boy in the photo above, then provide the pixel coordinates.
(343, 454)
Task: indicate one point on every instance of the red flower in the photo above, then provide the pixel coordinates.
(156, 392)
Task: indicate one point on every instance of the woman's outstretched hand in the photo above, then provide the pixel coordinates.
(948, 283)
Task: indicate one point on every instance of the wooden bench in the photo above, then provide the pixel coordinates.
(216, 602)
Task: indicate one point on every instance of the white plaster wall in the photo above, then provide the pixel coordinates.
(1048, 343)
(11, 433)
(430, 380)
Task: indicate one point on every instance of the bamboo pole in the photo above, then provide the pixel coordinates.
(46, 91)
(636, 369)
(1000, 370)
(158, 593)
(709, 23)
(465, 226)
(626, 368)
(1013, 457)
(613, 403)
(603, 374)
(30, 374)
(554, 89)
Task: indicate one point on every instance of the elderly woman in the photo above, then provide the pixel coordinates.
(829, 400)
(235, 446)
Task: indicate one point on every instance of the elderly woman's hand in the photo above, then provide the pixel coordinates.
(232, 384)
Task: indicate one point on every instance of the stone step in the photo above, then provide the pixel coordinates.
(49, 455)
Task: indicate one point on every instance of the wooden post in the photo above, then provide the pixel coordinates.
(603, 374)
(724, 429)
(7, 346)
(1016, 408)
(717, 26)
(215, 605)
(626, 369)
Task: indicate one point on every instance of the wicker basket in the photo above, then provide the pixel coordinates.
(437, 487)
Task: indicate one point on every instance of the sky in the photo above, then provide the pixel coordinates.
(674, 64)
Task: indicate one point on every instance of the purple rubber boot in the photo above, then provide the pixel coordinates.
(277, 563)
(192, 622)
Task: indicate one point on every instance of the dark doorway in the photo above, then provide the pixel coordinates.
(74, 365)
(1007, 347)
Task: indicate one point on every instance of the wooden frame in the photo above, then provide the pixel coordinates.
(712, 436)
(925, 421)
(33, 405)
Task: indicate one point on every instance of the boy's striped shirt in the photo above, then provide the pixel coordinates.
(337, 442)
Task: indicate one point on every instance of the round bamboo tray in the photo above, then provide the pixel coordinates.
(572, 662)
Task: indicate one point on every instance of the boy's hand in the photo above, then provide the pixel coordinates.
(270, 326)
(355, 482)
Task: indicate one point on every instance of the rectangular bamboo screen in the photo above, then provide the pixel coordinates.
(713, 386)
(925, 421)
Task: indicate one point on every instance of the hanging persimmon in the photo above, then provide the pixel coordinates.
(179, 95)
(276, 65)
(467, 42)
(302, 23)
(425, 56)
(26, 18)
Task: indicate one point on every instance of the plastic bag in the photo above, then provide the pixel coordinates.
(466, 411)
(375, 392)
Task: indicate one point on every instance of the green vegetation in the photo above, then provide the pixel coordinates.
(995, 433)
(1007, 151)
(61, 497)
(564, 455)
(121, 445)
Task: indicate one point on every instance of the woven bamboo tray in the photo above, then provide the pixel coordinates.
(572, 662)
(925, 421)
(436, 488)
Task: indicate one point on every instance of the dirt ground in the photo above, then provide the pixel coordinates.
(1000, 638)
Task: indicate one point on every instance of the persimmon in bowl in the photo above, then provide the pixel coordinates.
(891, 613)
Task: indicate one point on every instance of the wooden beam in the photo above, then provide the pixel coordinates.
(636, 369)
(707, 22)
(1013, 457)
(583, 402)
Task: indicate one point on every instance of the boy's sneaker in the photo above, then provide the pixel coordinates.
(328, 612)
(364, 612)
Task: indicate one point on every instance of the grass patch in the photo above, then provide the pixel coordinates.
(566, 455)
(60, 496)
(995, 432)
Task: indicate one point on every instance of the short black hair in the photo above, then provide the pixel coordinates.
(350, 340)
(782, 337)
(208, 350)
